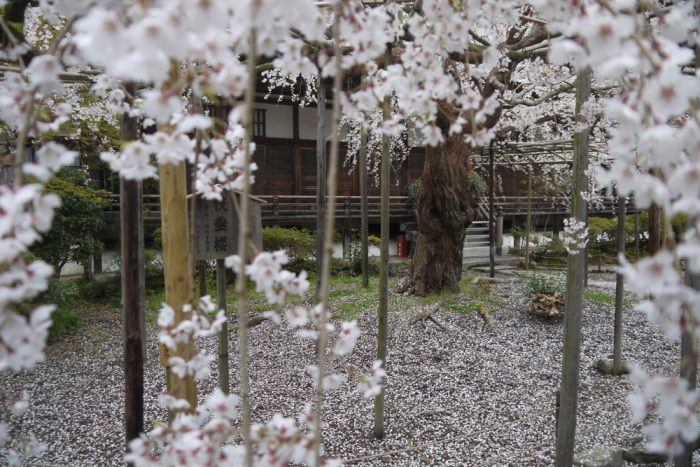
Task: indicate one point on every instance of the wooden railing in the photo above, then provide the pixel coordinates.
(301, 208)
(292, 208)
(539, 206)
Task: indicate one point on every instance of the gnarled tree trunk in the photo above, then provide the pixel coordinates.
(444, 212)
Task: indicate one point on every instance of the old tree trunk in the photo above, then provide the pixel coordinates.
(444, 213)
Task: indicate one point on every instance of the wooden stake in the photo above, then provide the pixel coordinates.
(636, 234)
(566, 428)
(321, 179)
(492, 222)
(244, 239)
(177, 265)
(131, 213)
(328, 235)
(384, 266)
(362, 162)
(619, 289)
(528, 225)
(224, 383)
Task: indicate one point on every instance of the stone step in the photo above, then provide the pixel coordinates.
(469, 246)
(476, 238)
(476, 251)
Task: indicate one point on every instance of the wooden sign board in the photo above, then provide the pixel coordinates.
(216, 228)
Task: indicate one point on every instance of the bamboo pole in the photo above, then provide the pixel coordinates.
(321, 180)
(131, 213)
(528, 223)
(566, 428)
(362, 162)
(244, 237)
(619, 290)
(224, 382)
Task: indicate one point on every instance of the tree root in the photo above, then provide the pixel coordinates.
(427, 315)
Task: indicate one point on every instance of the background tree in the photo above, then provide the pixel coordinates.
(71, 237)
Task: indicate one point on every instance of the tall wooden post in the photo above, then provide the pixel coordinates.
(654, 230)
(689, 357)
(320, 177)
(224, 383)
(619, 289)
(492, 222)
(362, 161)
(177, 264)
(384, 266)
(566, 428)
(636, 234)
(131, 214)
(528, 224)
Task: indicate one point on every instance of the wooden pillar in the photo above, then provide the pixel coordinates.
(492, 221)
(131, 216)
(528, 224)
(566, 429)
(224, 383)
(362, 162)
(619, 290)
(321, 179)
(177, 266)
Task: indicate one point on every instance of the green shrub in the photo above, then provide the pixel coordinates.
(476, 185)
(153, 270)
(543, 284)
(60, 292)
(64, 294)
(62, 319)
(299, 243)
(106, 288)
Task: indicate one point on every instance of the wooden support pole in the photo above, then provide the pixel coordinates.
(384, 265)
(566, 429)
(244, 239)
(224, 383)
(131, 213)
(619, 290)
(689, 356)
(177, 265)
(492, 221)
(202, 275)
(320, 177)
(654, 231)
(362, 162)
(636, 234)
(528, 224)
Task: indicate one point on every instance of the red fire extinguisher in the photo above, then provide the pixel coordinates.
(401, 246)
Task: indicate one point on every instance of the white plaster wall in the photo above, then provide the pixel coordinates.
(278, 119)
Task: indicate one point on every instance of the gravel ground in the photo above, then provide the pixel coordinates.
(477, 394)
